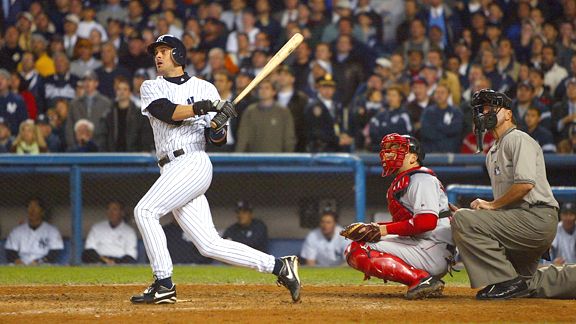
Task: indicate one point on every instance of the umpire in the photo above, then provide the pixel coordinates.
(501, 241)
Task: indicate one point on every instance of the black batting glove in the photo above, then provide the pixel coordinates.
(202, 107)
(224, 106)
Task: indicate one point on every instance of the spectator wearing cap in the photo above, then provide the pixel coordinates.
(111, 10)
(564, 112)
(25, 25)
(540, 134)
(92, 106)
(296, 101)
(124, 128)
(384, 69)
(52, 140)
(248, 230)
(392, 119)
(29, 139)
(85, 60)
(266, 126)
(12, 106)
(541, 90)
(323, 246)
(44, 63)
(62, 84)
(18, 87)
(139, 77)
(418, 40)
(70, 33)
(524, 100)
(10, 51)
(83, 138)
(553, 72)
(441, 124)
(421, 101)
(110, 70)
(6, 138)
(436, 58)
(326, 120)
(564, 245)
(88, 23)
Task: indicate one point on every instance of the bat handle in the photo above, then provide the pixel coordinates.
(218, 121)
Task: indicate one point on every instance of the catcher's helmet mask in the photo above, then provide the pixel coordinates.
(178, 52)
(399, 145)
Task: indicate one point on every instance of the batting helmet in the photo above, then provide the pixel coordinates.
(400, 145)
(178, 48)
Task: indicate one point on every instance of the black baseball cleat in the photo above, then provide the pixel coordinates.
(515, 288)
(427, 288)
(156, 294)
(289, 277)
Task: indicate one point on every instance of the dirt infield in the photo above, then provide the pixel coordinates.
(268, 304)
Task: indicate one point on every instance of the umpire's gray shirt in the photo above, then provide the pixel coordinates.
(517, 158)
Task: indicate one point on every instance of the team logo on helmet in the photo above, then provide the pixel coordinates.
(161, 37)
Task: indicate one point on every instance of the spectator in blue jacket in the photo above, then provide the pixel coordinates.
(441, 124)
(12, 107)
(248, 230)
(393, 119)
(540, 134)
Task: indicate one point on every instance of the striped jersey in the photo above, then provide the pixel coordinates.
(168, 137)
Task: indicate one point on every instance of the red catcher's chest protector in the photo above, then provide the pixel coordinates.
(397, 189)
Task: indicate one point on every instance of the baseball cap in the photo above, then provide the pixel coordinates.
(141, 73)
(326, 80)
(569, 207)
(5, 74)
(26, 15)
(243, 205)
(343, 4)
(418, 79)
(42, 119)
(91, 75)
(384, 62)
(429, 66)
(526, 84)
(72, 18)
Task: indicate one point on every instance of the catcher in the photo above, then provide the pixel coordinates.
(416, 247)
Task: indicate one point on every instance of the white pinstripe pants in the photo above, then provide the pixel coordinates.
(180, 189)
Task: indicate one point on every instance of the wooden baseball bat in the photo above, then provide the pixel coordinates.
(276, 60)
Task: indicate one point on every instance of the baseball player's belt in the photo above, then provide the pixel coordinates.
(166, 159)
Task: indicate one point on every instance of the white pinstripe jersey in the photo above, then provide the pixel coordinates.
(167, 137)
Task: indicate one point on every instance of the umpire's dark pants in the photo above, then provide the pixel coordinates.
(499, 245)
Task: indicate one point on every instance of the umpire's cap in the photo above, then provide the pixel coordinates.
(178, 48)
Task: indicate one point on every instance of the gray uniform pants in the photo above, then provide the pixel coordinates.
(500, 245)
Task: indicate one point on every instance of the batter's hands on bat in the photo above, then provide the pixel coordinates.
(481, 204)
(362, 232)
(219, 121)
(224, 106)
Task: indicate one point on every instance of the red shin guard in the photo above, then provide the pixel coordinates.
(382, 265)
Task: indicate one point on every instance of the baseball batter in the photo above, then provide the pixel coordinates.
(416, 247)
(180, 109)
(501, 241)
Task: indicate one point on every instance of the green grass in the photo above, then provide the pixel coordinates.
(65, 275)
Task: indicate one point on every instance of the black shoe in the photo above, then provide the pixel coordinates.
(426, 288)
(515, 288)
(481, 294)
(156, 294)
(289, 277)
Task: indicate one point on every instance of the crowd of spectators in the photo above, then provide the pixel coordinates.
(70, 70)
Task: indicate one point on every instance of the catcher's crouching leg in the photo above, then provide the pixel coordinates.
(390, 267)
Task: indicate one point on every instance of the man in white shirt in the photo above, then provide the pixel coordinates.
(323, 246)
(111, 241)
(564, 244)
(34, 242)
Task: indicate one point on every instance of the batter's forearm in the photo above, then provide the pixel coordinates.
(182, 112)
(516, 192)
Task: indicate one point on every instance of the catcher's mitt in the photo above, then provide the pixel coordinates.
(361, 232)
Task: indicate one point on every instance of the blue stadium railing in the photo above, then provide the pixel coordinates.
(562, 194)
(75, 165)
